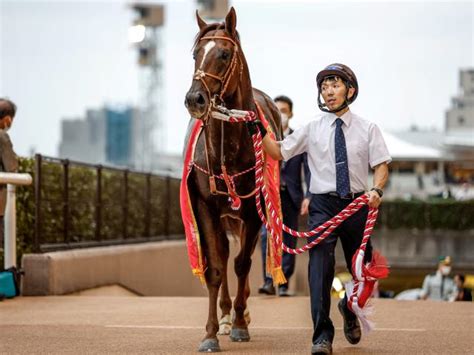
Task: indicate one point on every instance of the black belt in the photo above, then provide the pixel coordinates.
(349, 196)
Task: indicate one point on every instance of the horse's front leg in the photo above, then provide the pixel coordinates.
(242, 265)
(225, 303)
(214, 250)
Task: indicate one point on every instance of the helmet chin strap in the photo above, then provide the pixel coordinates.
(323, 106)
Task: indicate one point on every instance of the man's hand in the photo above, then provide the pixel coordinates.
(374, 199)
(253, 126)
(305, 206)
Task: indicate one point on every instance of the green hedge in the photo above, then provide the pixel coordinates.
(449, 215)
(442, 214)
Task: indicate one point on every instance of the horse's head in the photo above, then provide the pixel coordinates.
(218, 65)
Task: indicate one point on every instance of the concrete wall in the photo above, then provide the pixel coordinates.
(162, 268)
(150, 269)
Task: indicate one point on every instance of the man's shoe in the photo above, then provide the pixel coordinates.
(267, 289)
(322, 347)
(352, 330)
(283, 291)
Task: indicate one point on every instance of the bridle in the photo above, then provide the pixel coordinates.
(214, 101)
(200, 75)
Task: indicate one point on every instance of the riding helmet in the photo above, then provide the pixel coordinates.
(342, 71)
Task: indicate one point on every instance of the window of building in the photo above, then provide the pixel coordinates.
(461, 120)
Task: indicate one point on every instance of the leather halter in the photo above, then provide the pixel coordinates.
(200, 75)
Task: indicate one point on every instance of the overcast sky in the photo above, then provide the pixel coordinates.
(58, 58)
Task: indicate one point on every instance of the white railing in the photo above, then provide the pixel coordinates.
(12, 180)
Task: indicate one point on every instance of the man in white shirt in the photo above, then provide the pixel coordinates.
(340, 146)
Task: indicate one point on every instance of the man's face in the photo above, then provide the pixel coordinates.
(458, 282)
(284, 109)
(6, 122)
(334, 92)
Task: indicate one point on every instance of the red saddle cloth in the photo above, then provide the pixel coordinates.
(272, 182)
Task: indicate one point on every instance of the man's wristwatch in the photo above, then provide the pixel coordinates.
(378, 191)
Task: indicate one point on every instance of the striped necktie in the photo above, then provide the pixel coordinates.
(343, 187)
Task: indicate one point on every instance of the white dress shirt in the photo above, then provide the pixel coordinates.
(364, 143)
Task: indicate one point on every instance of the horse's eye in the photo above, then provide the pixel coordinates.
(225, 55)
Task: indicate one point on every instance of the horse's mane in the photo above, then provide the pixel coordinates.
(209, 28)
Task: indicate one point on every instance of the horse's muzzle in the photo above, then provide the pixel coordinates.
(196, 103)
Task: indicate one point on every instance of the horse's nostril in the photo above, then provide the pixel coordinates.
(201, 100)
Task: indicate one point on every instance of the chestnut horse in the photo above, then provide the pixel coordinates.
(222, 77)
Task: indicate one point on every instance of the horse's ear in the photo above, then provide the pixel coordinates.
(231, 22)
(200, 21)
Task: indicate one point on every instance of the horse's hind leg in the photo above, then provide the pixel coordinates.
(243, 262)
(214, 250)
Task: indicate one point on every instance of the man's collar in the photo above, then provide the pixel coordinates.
(346, 118)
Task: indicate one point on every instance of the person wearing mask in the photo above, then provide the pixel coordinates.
(340, 146)
(463, 293)
(440, 286)
(9, 161)
(293, 202)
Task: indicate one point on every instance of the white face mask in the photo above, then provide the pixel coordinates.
(284, 120)
(445, 270)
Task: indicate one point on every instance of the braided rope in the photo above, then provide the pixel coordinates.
(360, 277)
(327, 227)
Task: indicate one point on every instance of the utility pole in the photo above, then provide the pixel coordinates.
(145, 35)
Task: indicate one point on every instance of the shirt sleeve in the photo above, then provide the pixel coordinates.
(425, 290)
(295, 143)
(378, 151)
(9, 158)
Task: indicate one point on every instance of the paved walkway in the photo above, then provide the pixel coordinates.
(154, 325)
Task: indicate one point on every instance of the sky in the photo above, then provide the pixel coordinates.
(60, 58)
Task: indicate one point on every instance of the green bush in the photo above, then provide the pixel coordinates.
(440, 214)
(165, 215)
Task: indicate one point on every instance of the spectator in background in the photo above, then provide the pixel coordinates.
(464, 294)
(293, 202)
(464, 193)
(9, 161)
(440, 286)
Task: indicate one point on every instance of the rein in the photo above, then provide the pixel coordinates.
(364, 275)
(200, 75)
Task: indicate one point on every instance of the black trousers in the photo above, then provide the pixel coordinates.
(321, 257)
(290, 218)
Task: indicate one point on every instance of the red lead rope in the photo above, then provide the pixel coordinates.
(364, 275)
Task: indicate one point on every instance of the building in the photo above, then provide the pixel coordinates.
(110, 135)
(459, 139)
(437, 160)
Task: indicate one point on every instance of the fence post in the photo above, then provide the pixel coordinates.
(148, 206)
(11, 179)
(66, 201)
(98, 205)
(167, 206)
(125, 205)
(10, 228)
(38, 178)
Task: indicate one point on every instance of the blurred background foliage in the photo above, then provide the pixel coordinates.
(118, 201)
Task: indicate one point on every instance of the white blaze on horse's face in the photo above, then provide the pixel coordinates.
(207, 49)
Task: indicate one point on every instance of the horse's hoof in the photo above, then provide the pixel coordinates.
(209, 346)
(225, 325)
(239, 335)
